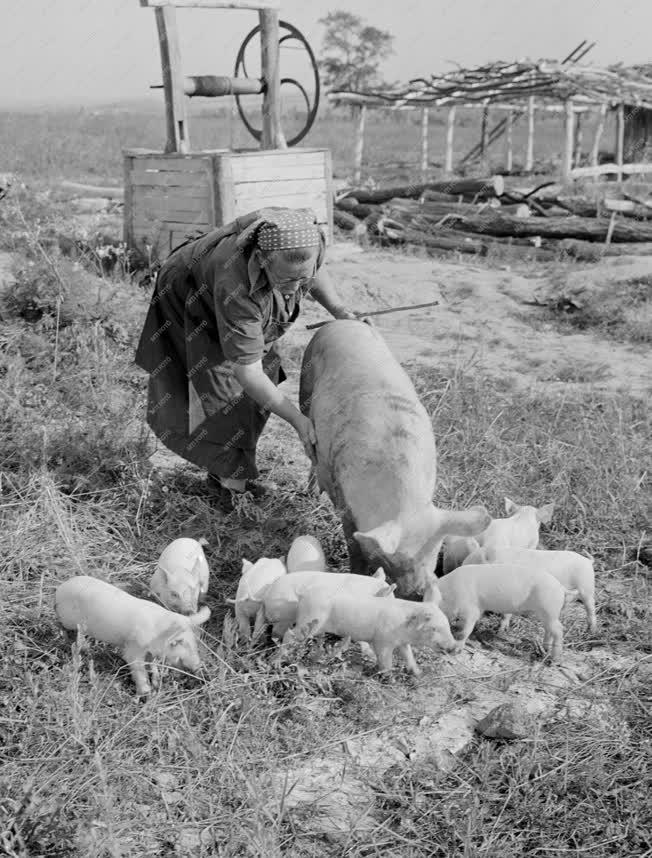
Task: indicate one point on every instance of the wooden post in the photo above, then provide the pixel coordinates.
(598, 134)
(128, 210)
(577, 148)
(620, 140)
(359, 145)
(175, 99)
(450, 126)
(273, 137)
(484, 138)
(424, 143)
(570, 139)
(529, 152)
(509, 155)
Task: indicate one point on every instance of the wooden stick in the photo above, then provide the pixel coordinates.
(424, 143)
(273, 137)
(359, 145)
(377, 313)
(620, 140)
(450, 126)
(484, 139)
(529, 152)
(570, 138)
(509, 155)
(215, 4)
(577, 149)
(175, 104)
(602, 169)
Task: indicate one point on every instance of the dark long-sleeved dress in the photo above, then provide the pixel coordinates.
(213, 307)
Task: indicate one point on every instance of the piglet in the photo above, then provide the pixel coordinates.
(572, 570)
(519, 530)
(181, 575)
(281, 598)
(386, 624)
(306, 555)
(254, 581)
(504, 588)
(142, 630)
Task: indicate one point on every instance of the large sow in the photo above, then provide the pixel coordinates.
(376, 455)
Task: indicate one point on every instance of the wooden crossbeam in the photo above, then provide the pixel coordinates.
(214, 4)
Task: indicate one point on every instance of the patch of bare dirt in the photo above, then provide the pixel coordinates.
(487, 318)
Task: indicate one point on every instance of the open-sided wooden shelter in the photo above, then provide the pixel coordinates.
(176, 193)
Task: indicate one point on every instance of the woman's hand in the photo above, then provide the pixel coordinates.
(342, 313)
(306, 432)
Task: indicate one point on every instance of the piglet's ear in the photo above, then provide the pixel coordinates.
(544, 513)
(246, 565)
(510, 506)
(432, 593)
(379, 574)
(200, 617)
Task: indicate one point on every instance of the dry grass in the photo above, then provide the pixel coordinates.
(88, 771)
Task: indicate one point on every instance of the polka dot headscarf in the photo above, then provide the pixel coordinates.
(288, 230)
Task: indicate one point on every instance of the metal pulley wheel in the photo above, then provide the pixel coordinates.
(311, 105)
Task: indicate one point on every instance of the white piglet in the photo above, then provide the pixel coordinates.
(254, 581)
(504, 588)
(572, 570)
(519, 530)
(143, 631)
(181, 575)
(385, 624)
(281, 599)
(306, 555)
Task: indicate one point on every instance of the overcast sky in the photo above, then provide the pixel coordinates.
(54, 51)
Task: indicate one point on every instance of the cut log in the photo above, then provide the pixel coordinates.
(346, 204)
(344, 220)
(429, 196)
(491, 187)
(590, 251)
(594, 229)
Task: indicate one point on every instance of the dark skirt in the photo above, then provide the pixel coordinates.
(199, 412)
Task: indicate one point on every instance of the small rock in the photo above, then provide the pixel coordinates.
(507, 721)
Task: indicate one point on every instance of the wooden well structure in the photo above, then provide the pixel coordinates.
(177, 193)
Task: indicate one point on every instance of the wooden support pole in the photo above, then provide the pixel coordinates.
(424, 143)
(529, 151)
(450, 127)
(175, 103)
(620, 140)
(273, 137)
(595, 151)
(484, 138)
(570, 139)
(359, 145)
(509, 154)
(577, 148)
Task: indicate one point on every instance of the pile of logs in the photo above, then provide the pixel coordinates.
(472, 215)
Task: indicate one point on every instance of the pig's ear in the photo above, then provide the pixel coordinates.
(200, 617)
(510, 506)
(383, 539)
(164, 573)
(432, 593)
(246, 565)
(379, 574)
(544, 513)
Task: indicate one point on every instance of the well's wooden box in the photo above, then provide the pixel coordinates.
(171, 197)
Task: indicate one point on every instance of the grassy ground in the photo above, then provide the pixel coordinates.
(86, 770)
